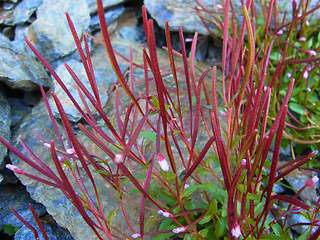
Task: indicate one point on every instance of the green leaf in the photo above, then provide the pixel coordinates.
(236, 140)
(202, 171)
(148, 135)
(203, 232)
(304, 236)
(168, 175)
(149, 223)
(296, 108)
(207, 218)
(100, 172)
(10, 229)
(175, 132)
(111, 215)
(155, 101)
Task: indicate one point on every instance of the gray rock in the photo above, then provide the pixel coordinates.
(175, 12)
(54, 231)
(22, 12)
(18, 198)
(103, 84)
(297, 180)
(178, 13)
(56, 203)
(92, 4)
(132, 33)
(110, 15)
(5, 120)
(20, 70)
(51, 24)
(18, 110)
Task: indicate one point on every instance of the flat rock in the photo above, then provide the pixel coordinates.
(19, 199)
(50, 33)
(21, 12)
(20, 70)
(54, 231)
(175, 12)
(71, 111)
(92, 4)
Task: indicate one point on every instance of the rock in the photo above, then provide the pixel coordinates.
(19, 109)
(56, 203)
(175, 12)
(92, 4)
(131, 33)
(297, 180)
(8, 177)
(110, 15)
(51, 24)
(5, 120)
(71, 111)
(20, 70)
(18, 198)
(53, 230)
(22, 12)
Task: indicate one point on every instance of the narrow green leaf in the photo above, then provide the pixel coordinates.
(148, 135)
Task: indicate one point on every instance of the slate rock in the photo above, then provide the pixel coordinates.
(19, 110)
(103, 84)
(16, 196)
(297, 180)
(22, 12)
(5, 120)
(178, 13)
(50, 33)
(110, 16)
(132, 33)
(92, 4)
(53, 230)
(175, 12)
(20, 70)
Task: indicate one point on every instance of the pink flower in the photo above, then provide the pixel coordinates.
(311, 52)
(165, 214)
(305, 74)
(179, 230)
(302, 39)
(315, 179)
(236, 231)
(280, 32)
(162, 162)
(244, 162)
(307, 23)
(186, 186)
(136, 235)
(60, 159)
(289, 75)
(71, 151)
(15, 169)
(118, 158)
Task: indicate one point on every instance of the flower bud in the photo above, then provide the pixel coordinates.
(15, 169)
(136, 235)
(236, 231)
(311, 52)
(312, 181)
(162, 162)
(118, 158)
(179, 230)
(71, 151)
